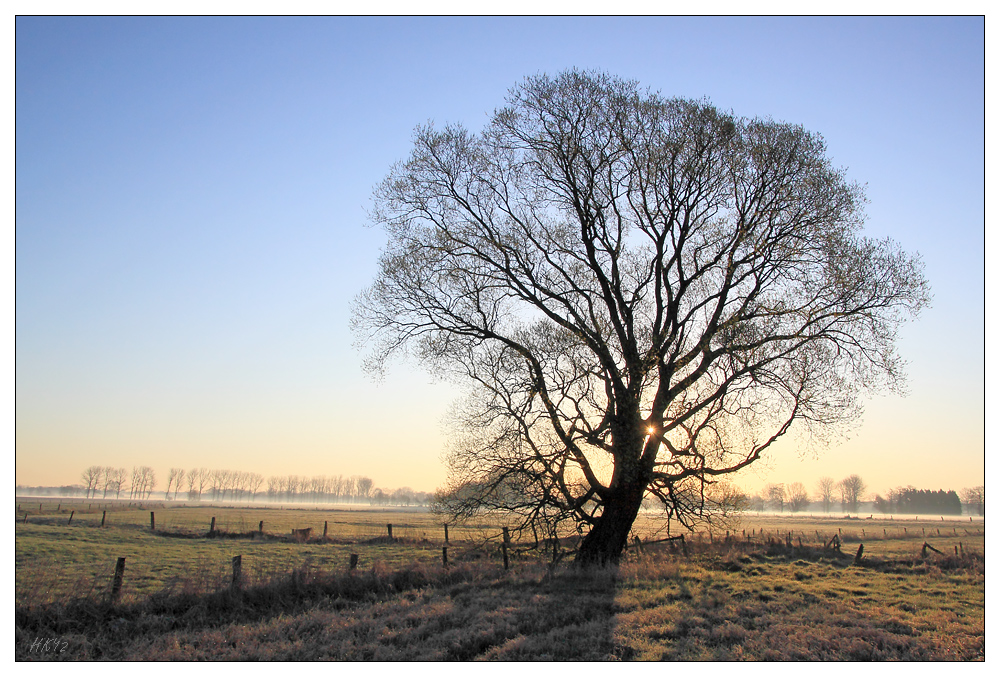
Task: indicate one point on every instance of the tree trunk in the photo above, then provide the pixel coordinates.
(606, 541)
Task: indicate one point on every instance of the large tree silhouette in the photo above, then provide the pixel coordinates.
(641, 295)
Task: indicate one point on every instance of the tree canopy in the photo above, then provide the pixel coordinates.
(640, 295)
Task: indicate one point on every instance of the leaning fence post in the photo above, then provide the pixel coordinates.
(506, 539)
(116, 585)
(25, 520)
(103, 517)
(857, 557)
(354, 562)
(325, 524)
(152, 521)
(71, 513)
(237, 571)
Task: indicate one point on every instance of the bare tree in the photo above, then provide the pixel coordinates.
(204, 479)
(148, 480)
(171, 481)
(91, 479)
(363, 487)
(975, 499)
(194, 476)
(641, 293)
(179, 481)
(852, 489)
(824, 488)
(292, 487)
(338, 488)
(255, 481)
(775, 493)
(118, 477)
(798, 497)
(728, 503)
(348, 488)
(107, 480)
(136, 485)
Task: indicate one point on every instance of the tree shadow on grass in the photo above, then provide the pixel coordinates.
(465, 613)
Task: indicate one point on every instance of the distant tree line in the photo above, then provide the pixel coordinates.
(975, 499)
(199, 484)
(851, 493)
(795, 497)
(919, 501)
(109, 481)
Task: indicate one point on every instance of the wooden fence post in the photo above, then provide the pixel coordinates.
(506, 539)
(71, 513)
(116, 585)
(354, 562)
(237, 571)
(325, 524)
(389, 528)
(260, 528)
(211, 529)
(638, 544)
(928, 546)
(444, 555)
(103, 517)
(25, 520)
(857, 557)
(152, 521)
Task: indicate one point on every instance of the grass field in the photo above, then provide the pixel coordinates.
(749, 596)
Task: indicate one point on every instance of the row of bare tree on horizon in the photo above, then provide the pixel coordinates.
(851, 492)
(199, 484)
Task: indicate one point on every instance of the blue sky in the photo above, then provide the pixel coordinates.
(190, 222)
